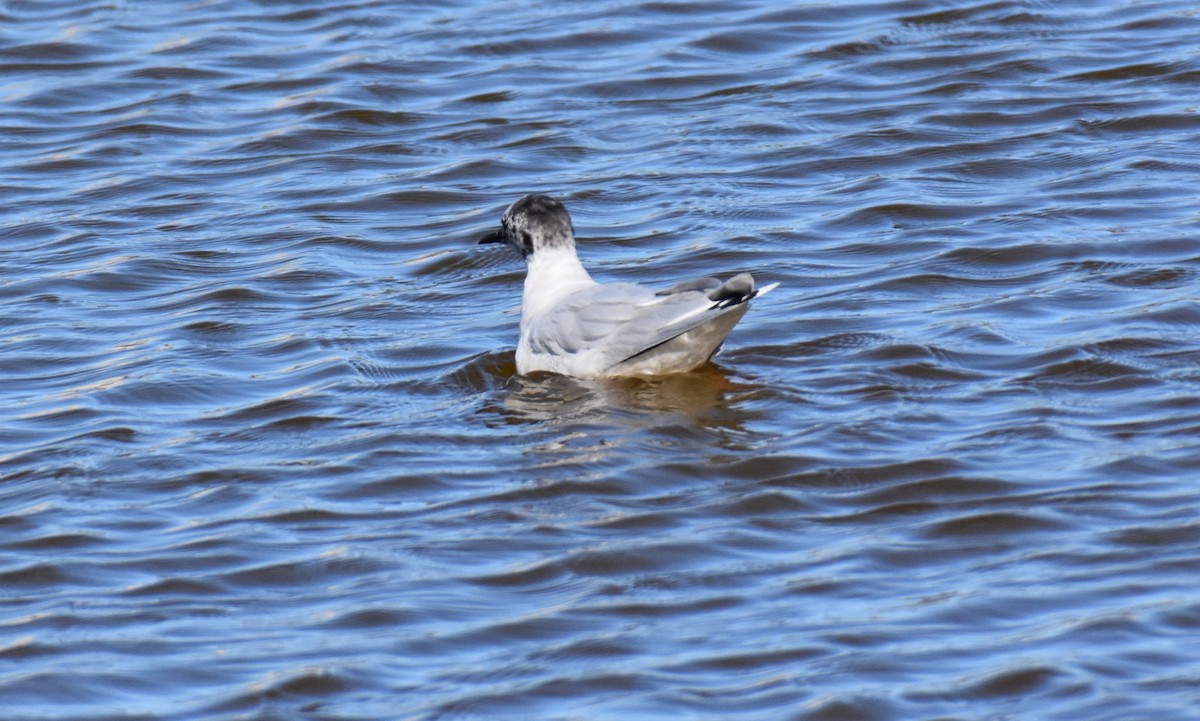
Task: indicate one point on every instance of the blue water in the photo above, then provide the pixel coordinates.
(264, 453)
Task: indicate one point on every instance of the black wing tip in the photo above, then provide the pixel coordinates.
(735, 291)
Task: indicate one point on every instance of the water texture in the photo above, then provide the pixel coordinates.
(264, 453)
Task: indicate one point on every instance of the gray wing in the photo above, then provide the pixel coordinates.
(623, 319)
(694, 304)
(701, 284)
(590, 318)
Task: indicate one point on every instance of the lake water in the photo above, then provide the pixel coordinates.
(264, 453)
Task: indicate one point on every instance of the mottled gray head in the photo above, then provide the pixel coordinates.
(533, 223)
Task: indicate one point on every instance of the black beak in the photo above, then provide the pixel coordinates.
(496, 236)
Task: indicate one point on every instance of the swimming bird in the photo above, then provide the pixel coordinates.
(572, 325)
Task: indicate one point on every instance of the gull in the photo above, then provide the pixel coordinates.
(574, 326)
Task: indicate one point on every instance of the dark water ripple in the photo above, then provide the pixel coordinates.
(264, 454)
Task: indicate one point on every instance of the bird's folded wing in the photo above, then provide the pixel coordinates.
(623, 319)
(588, 318)
(697, 303)
(702, 284)
(659, 324)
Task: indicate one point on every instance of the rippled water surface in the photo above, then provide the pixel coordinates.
(264, 453)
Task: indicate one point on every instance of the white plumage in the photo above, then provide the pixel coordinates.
(572, 325)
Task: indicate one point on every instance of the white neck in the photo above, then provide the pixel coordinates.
(552, 274)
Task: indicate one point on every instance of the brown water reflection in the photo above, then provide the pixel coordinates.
(547, 397)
